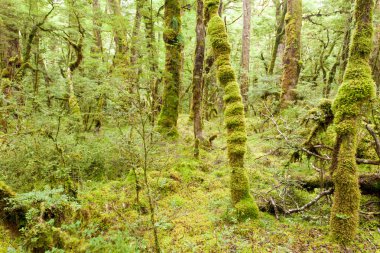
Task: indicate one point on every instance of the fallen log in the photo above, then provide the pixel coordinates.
(369, 183)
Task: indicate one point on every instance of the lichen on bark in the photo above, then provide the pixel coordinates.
(233, 115)
(167, 121)
(351, 102)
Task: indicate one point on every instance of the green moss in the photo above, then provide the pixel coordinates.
(167, 121)
(234, 113)
(357, 90)
(5, 193)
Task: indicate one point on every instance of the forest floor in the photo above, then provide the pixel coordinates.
(192, 211)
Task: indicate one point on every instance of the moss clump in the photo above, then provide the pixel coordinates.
(356, 92)
(167, 121)
(234, 113)
(5, 193)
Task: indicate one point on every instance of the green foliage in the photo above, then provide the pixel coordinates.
(40, 215)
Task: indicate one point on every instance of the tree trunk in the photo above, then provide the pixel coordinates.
(351, 103)
(135, 33)
(167, 122)
(345, 49)
(233, 115)
(120, 37)
(245, 53)
(292, 68)
(198, 72)
(96, 22)
(155, 79)
(279, 35)
(375, 57)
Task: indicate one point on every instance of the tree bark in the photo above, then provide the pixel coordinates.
(279, 35)
(245, 53)
(345, 48)
(292, 55)
(198, 72)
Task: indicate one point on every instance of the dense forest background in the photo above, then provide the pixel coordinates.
(189, 126)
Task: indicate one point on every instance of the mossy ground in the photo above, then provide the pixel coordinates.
(193, 207)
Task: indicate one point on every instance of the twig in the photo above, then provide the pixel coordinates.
(376, 138)
(274, 207)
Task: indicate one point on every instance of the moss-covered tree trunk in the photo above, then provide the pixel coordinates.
(292, 55)
(375, 57)
(167, 121)
(233, 114)
(356, 91)
(96, 22)
(245, 52)
(120, 37)
(154, 75)
(198, 73)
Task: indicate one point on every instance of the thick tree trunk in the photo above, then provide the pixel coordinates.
(233, 115)
(292, 55)
(167, 122)
(351, 102)
(198, 72)
(245, 53)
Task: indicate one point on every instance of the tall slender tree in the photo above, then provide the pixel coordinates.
(351, 102)
(198, 73)
(245, 52)
(291, 58)
(167, 121)
(233, 115)
(280, 13)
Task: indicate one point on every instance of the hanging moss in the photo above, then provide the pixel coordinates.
(167, 121)
(351, 102)
(233, 114)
